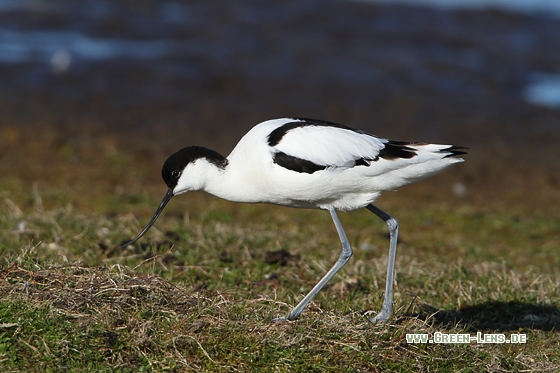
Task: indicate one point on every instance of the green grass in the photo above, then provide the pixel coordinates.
(199, 292)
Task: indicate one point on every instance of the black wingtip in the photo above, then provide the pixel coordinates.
(454, 150)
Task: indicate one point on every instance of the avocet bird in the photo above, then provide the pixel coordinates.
(309, 163)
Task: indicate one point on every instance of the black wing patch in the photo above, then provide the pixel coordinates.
(363, 162)
(296, 164)
(398, 149)
(301, 165)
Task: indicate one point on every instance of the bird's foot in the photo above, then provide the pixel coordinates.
(279, 319)
(288, 317)
(380, 318)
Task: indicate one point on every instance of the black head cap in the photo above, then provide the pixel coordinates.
(176, 163)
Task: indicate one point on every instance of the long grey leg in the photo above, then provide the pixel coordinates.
(387, 307)
(344, 256)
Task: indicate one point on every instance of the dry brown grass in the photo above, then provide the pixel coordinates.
(132, 321)
(199, 293)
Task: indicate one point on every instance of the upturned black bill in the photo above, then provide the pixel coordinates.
(160, 208)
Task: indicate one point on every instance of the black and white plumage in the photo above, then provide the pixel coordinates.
(308, 163)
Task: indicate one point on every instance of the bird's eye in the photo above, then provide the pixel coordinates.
(176, 174)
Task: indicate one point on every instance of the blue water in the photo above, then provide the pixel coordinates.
(543, 90)
(523, 6)
(41, 46)
(278, 42)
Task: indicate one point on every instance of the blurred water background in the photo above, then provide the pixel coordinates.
(484, 74)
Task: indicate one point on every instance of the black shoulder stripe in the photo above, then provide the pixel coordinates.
(276, 136)
(323, 123)
(296, 164)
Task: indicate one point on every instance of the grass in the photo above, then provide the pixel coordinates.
(200, 291)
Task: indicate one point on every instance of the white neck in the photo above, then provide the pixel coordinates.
(221, 182)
